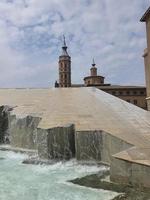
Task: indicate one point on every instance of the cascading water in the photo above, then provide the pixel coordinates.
(39, 182)
(4, 136)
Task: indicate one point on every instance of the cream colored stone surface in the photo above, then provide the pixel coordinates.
(87, 108)
(135, 155)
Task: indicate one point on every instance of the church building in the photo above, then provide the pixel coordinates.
(132, 94)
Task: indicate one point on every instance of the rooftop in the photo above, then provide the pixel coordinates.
(146, 14)
(121, 87)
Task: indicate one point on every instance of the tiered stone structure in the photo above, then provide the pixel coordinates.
(83, 123)
(64, 67)
(93, 79)
(146, 18)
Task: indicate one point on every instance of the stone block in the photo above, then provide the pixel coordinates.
(112, 145)
(56, 143)
(23, 131)
(97, 145)
(120, 171)
(88, 145)
(141, 175)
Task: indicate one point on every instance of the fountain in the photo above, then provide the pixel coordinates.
(41, 182)
(45, 182)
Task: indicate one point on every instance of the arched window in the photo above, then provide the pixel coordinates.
(65, 67)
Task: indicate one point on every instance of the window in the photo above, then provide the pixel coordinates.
(135, 101)
(120, 93)
(142, 92)
(114, 93)
(128, 92)
(65, 67)
(135, 92)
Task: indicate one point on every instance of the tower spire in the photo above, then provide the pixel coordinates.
(93, 64)
(93, 69)
(64, 47)
(64, 40)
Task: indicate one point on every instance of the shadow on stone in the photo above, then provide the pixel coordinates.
(99, 181)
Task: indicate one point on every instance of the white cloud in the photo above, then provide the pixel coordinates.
(109, 30)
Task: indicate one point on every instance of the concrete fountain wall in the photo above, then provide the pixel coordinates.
(56, 143)
(4, 124)
(98, 146)
(65, 143)
(60, 142)
(123, 171)
(23, 131)
(88, 146)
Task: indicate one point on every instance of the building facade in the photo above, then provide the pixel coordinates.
(64, 68)
(132, 94)
(146, 18)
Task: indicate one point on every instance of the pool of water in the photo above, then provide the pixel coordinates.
(38, 182)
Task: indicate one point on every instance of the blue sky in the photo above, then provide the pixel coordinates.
(108, 30)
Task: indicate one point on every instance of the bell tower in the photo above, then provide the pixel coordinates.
(64, 67)
(93, 69)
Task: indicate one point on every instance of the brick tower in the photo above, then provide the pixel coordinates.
(64, 67)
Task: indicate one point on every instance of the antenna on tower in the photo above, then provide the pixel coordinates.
(93, 64)
(64, 40)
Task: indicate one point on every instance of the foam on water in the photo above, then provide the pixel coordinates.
(40, 182)
(15, 156)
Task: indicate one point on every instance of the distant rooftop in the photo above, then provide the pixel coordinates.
(121, 87)
(146, 14)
